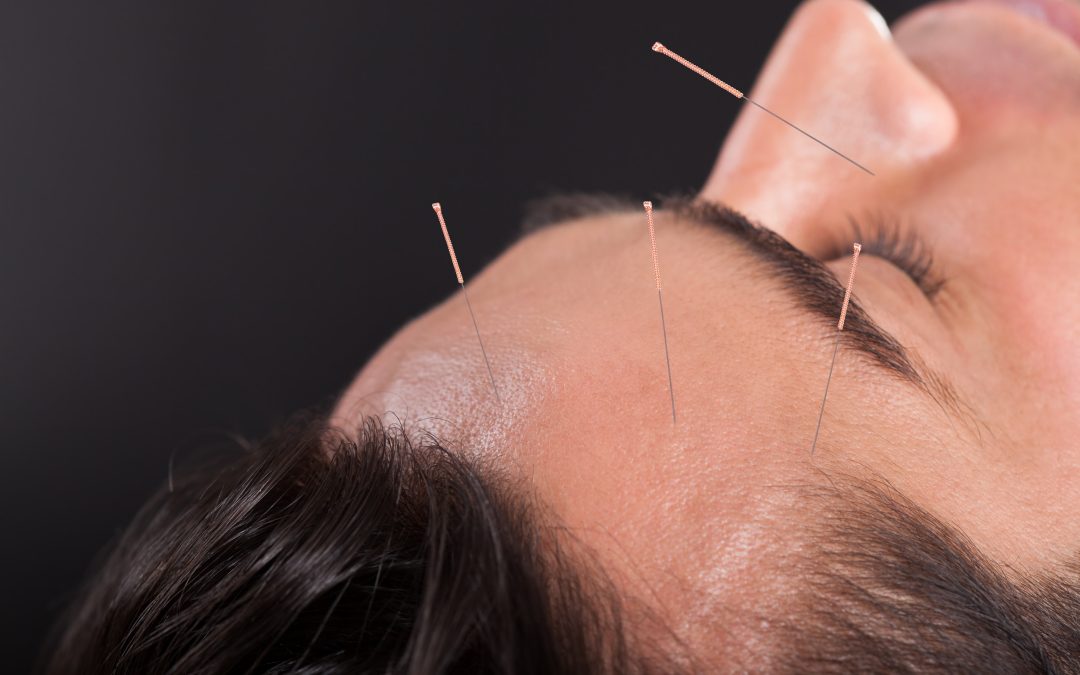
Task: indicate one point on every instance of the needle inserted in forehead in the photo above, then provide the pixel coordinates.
(657, 47)
(836, 344)
(461, 281)
(660, 296)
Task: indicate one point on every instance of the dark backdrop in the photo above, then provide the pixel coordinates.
(212, 213)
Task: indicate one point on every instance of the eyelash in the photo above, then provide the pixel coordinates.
(904, 248)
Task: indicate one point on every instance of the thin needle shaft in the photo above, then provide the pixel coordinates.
(660, 297)
(667, 357)
(657, 47)
(836, 344)
(478, 339)
(813, 138)
(461, 281)
(821, 412)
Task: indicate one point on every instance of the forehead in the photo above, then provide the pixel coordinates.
(570, 320)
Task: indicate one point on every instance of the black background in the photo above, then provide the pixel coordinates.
(212, 213)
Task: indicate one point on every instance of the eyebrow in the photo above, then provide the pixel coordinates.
(804, 278)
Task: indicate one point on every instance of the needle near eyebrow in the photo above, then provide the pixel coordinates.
(461, 281)
(660, 296)
(836, 345)
(657, 47)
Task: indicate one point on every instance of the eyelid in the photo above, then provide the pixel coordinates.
(904, 247)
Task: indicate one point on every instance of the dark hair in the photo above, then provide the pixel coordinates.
(886, 587)
(314, 553)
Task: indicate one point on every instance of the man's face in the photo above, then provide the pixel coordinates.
(970, 117)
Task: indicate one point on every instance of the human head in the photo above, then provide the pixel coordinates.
(950, 419)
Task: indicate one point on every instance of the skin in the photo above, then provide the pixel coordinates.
(969, 114)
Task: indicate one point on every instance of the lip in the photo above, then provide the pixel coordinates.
(1061, 15)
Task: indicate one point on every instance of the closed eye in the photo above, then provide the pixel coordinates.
(903, 247)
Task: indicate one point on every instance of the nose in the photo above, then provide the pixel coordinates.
(836, 73)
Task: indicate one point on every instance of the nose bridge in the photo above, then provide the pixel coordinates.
(836, 73)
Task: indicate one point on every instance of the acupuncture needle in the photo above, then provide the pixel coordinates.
(461, 282)
(836, 345)
(660, 297)
(657, 47)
